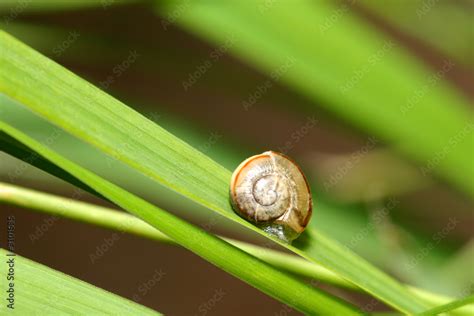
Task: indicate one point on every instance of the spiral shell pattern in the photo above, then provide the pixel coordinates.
(271, 191)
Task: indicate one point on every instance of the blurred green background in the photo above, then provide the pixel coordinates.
(372, 98)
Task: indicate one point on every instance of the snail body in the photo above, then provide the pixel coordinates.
(270, 191)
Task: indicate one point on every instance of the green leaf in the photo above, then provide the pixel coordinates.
(225, 256)
(323, 51)
(112, 219)
(413, 18)
(450, 306)
(339, 222)
(39, 290)
(98, 119)
(22, 152)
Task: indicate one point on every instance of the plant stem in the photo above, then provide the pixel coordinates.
(120, 221)
(450, 306)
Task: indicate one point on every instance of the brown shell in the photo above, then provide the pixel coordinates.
(271, 189)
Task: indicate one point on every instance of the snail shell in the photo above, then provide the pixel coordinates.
(271, 191)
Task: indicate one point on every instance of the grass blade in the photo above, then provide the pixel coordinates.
(18, 150)
(450, 306)
(98, 119)
(349, 68)
(112, 219)
(338, 222)
(225, 256)
(40, 290)
(406, 17)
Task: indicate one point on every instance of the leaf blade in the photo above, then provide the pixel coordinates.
(76, 106)
(112, 219)
(433, 129)
(450, 306)
(220, 253)
(39, 289)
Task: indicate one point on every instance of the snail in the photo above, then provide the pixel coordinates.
(271, 191)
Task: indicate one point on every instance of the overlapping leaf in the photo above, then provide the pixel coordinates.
(39, 290)
(324, 52)
(98, 119)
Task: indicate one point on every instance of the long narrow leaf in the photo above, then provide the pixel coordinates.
(450, 306)
(39, 290)
(112, 219)
(16, 149)
(95, 117)
(324, 52)
(227, 257)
